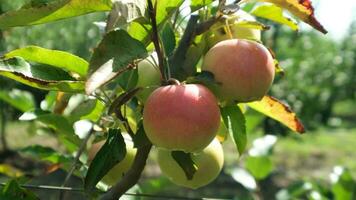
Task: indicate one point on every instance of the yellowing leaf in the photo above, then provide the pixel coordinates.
(274, 13)
(279, 111)
(302, 9)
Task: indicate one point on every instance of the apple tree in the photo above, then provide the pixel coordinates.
(173, 76)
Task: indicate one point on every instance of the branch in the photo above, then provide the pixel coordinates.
(131, 177)
(155, 37)
(75, 162)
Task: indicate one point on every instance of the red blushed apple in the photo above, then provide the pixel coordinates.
(244, 69)
(181, 117)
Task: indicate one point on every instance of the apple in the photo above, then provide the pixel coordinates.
(149, 77)
(181, 117)
(219, 31)
(244, 69)
(209, 162)
(119, 169)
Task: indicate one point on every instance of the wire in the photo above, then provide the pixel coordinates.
(49, 187)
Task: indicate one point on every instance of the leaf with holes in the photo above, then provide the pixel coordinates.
(279, 111)
(302, 9)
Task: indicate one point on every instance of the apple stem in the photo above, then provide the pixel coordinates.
(228, 30)
(173, 81)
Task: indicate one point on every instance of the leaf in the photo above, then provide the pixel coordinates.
(111, 153)
(124, 12)
(22, 100)
(128, 79)
(57, 122)
(55, 58)
(259, 166)
(186, 162)
(45, 154)
(302, 9)
(274, 13)
(42, 77)
(116, 51)
(168, 39)
(279, 111)
(234, 121)
(165, 9)
(13, 191)
(140, 139)
(343, 185)
(52, 11)
(197, 4)
(90, 109)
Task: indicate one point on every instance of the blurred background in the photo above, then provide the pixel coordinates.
(319, 84)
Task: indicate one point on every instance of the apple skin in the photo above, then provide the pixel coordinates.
(209, 162)
(218, 32)
(244, 69)
(181, 117)
(149, 77)
(119, 169)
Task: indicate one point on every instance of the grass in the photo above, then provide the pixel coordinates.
(314, 154)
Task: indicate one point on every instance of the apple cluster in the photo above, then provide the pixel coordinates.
(186, 117)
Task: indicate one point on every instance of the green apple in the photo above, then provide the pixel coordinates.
(119, 169)
(220, 31)
(149, 77)
(209, 162)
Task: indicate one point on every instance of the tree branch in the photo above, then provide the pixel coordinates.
(155, 38)
(131, 177)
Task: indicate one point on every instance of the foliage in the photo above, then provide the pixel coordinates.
(101, 87)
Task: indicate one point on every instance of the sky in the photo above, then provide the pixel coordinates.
(335, 15)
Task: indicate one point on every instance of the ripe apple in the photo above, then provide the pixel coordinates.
(219, 31)
(149, 77)
(209, 162)
(244, 69)
(181, 117)
(119, 169)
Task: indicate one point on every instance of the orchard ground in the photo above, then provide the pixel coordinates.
(311, 156)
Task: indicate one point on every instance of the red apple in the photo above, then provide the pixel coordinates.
(244, 69)
(181, 117)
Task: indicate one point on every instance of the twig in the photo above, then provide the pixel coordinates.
(3, 127)
(131, 177)
(75, 162)
(155, 37)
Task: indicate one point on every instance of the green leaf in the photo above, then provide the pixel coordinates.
(45, 154)
(13, 191)
(274, 13)
(57, 122)
(128, 80)
(186, 162)
(235, 122)
(344, 186)
(259, 166)
(42, 77)
(52, 11)
(90, 109)
(60, 59)
(115, 52)
(140, 139)
(165, 9)
(168, 39)
(22, 100)
(197, 4)
(124, 12)
(112, 152)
